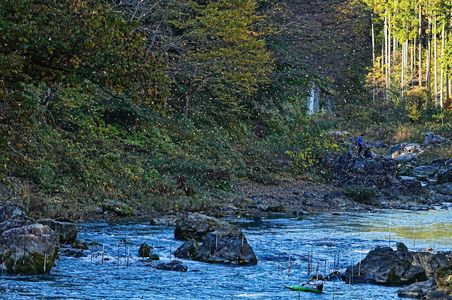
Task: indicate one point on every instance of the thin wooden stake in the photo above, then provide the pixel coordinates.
(288, 267)
(118, 255)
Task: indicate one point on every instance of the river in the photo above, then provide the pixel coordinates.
(346, 236)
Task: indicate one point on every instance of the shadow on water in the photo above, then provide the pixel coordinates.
(287, 248)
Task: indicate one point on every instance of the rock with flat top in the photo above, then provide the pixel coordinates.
(28, 250)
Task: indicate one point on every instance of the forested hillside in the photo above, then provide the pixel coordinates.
(165, 104)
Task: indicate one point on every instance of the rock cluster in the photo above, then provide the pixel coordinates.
(421, 271)
(28, 246)
(213, 241)
(349, 169)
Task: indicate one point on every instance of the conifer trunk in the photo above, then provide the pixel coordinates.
(420, 47)
(441, 99)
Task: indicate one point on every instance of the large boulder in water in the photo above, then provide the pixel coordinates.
(219, 247)
(431, 262)
(66, 231)
(196, 226)
(30, 249)
(213, 241)
(385, 266)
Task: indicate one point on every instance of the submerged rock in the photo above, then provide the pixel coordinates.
(72, 252)
(174, 265)
(30, 249)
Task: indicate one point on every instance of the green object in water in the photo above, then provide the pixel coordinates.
(301, 288)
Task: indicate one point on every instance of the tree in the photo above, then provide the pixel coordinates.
(69, 42)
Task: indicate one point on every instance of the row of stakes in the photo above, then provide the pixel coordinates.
(126, 256)
(331, 266)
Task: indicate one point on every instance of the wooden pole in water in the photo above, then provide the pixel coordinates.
(125, 252)
(359, 265)
(353, 270)
(170, 249)
(389, 234)
(127, 259)
(103, 249)
(317, 270)
(288, 267)
(118, 255)
(414, 235)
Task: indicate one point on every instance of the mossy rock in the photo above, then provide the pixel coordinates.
(443, 278)
(118, 207)
(32, 264)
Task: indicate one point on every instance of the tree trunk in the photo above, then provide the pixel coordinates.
(429, 37)
(373, 57)
(435, 67)
(441, 95)
(420, 47)
(413, 61)
(389, 51)
(386, 55)
(402, 74)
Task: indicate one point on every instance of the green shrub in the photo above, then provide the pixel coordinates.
(361, 194)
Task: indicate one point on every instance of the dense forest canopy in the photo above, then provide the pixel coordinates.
(168, 102)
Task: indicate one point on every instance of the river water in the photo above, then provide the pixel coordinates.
(346, 237)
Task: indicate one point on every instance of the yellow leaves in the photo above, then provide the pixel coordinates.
(90, 45)
(75, 61)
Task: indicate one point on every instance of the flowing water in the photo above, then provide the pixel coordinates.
(348, 237)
